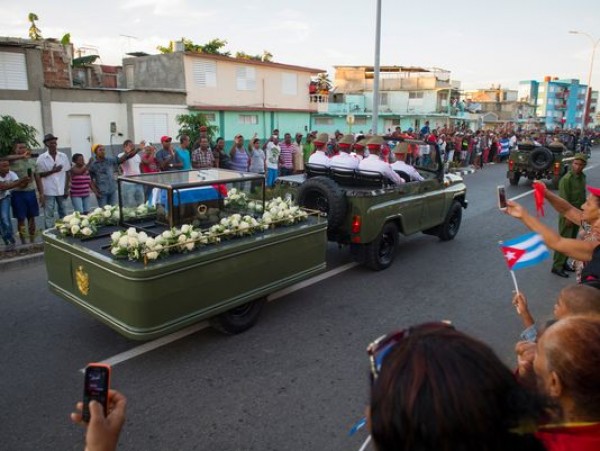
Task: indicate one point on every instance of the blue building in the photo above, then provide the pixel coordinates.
(557, 103)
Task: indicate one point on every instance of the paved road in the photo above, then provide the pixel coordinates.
(296, 381)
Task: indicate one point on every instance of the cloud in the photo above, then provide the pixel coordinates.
(174, 9)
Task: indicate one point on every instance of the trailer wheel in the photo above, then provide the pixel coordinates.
(381, 252)
(238, 319)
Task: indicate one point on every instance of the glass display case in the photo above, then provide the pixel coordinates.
(197, 197)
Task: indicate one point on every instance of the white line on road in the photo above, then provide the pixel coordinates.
(167, 339)
(527, 193)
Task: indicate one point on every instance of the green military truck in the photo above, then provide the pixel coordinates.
(536, 162)
(367, 212)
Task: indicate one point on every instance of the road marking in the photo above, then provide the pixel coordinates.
(167, 339)
(527, 193)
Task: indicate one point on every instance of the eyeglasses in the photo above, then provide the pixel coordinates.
(383, 345)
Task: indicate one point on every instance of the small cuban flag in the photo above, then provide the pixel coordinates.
(524, 251)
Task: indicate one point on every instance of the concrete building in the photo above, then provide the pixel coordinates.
(558, 103)
(238, 95)
(37, 88)
(408, 97)
(499, 106)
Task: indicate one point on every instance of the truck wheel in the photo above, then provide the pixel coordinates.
(514, 180)
(452, 222)
(323, 194)
(541, 159)
(238, 319)
(381, 252)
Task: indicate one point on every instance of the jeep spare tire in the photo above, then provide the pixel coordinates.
(326, 196)
(541, 159)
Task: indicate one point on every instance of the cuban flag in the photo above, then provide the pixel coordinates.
(524, 251)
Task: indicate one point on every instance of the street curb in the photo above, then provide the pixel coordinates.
(18, 262)
(463, 171)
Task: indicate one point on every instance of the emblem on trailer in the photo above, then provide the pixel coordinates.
(83, 281)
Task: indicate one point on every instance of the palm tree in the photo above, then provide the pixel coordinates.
(323, 82)
(34, 32)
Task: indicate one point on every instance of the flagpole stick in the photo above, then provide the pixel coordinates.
(514, 279)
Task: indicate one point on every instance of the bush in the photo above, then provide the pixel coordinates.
(11, 131)
(190, 125)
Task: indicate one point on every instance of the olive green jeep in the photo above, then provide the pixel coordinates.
(367, 211)
(539, 163)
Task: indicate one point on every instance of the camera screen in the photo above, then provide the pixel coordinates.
(95, 381)
(502, 197)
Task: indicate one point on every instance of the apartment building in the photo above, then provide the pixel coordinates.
(238, 95)
(408, 96)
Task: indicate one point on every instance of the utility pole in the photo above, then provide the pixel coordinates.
(376, 69)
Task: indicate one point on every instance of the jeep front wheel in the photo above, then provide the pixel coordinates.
(514, 179)
(381, 252)
(452, 222)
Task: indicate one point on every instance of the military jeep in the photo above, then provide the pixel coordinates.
(368, 212)
(539, 163)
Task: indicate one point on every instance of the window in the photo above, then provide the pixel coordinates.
(245, 78)
(13, 71)
(289, 84)
(383, 98)
(247, 119)
(154, 125)
(210, 117)
(415, 94)
(324, 121)
(542, 88)
(360, 120)
(205, 73)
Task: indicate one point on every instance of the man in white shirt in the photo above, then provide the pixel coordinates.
(344, 160)
(374, 164)
(54, 169)
(319, 156)
(400, 165)
(133, 194)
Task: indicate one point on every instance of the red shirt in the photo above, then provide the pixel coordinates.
(570, 438)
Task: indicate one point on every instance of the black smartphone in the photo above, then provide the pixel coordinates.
(29, 172)
(96, 386)
(501, 197)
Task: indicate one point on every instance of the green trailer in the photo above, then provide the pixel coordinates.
(226, 282)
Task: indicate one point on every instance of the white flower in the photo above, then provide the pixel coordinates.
(152, 255)
(244, 226)
(224, 221)
(97, 211)
(123, 241)
(186, 228)
(158, 247)
(85, 222)
(131, 231)
(74, 229)
(86, 231)
(150, 242)
(194, 235)
(74, 221)
(108, 207)
(106, 213)
(114, 250)
(68, 218)
(115, 215)
(234, 223)
(232, 191)
(142, 237)
(182, 239)
(251, 205)
(258, 208)
(167, 234)
(189, 246)
(132, 242)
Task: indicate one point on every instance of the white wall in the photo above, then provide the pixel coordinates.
(101, 115)
(171, 126)
(25, 111)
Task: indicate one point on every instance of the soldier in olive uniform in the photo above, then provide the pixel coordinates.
(571, 188)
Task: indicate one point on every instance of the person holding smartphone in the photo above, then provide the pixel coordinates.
(102, 433)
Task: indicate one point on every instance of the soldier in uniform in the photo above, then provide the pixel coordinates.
(571, 188)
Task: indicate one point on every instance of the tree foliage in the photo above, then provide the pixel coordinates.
(265, 57)
(190, 125)
(34, 32)
(11, 131)
(212, 47)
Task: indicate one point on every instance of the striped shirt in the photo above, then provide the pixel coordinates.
(287, 151)
(80, 185)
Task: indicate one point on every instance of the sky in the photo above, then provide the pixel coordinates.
(481, 42)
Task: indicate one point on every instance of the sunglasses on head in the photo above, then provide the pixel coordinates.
(383, 345)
